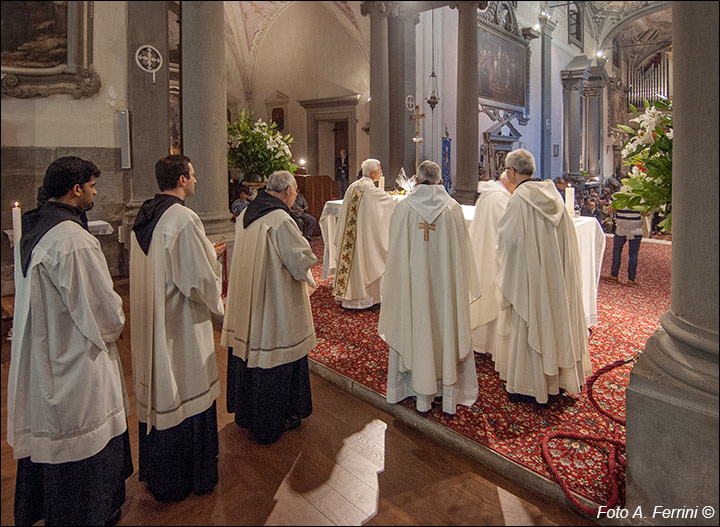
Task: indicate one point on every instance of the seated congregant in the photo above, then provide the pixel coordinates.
(429, 285)
(362, 240)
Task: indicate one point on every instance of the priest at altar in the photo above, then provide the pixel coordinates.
(362, 240)
(542, 285)
(489, 208)
(430, 283)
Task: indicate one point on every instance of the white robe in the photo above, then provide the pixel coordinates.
(269, 320)
(542, 283)
(489, 208)
(427, 291)
(173, 290)
(66, 387)
(361, 264)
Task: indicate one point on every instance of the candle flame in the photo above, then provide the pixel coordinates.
(17, 204)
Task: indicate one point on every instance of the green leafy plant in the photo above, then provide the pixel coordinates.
(648, 187)
(257, 148)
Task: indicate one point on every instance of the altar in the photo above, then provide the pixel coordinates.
(590, 236)
(96, 227)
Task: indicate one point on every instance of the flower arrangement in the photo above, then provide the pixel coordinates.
(648, 187)
(257, 148)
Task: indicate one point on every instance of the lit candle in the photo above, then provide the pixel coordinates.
(17, 222)
(570, 200)
(381, 183)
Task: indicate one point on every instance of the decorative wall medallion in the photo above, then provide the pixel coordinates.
(149, 59)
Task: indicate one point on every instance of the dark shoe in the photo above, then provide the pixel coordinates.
(520, 398)
(112, 520)
(291, 423)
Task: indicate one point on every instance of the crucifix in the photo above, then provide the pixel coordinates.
(428, 227)
(417, 139)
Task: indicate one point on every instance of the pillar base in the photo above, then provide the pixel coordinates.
(464, 196)
(671, 475)
(217, 222)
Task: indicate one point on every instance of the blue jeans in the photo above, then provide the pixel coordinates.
(633, 248)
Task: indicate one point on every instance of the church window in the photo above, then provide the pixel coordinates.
(575, 24)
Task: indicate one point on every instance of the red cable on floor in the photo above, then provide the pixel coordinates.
(617, 447)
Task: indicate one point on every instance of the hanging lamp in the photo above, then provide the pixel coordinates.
(433, 98)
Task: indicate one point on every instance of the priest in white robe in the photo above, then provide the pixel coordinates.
(175, 286)
(428, 288)
(490, 206)
(362, 240)
(67, 404)
(268, 326)
(541, 284)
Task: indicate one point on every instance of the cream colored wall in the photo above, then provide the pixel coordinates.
(308, 54)
(61, 120)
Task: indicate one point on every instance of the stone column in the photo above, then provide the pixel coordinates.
(401, 64)
(573, 77)
(204, 120)
(149, 114)
(467, 103)
(547, 26)
(672, 397)
(379, 83)
(396, 92)
(594, 92)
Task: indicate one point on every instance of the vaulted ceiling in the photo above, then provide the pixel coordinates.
(641, 28)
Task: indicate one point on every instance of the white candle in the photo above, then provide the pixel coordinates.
(17, 222)
(570, 200)
(381, 183)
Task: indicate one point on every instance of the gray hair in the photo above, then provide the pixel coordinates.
(429, 172)
(522, 161)
(280, 180)
(370, 165)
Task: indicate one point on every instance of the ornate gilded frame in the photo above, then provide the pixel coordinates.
(77, 77)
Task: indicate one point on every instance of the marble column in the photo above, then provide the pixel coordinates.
(672, 397)
(204, 120)
(396, 92)
(594, 94)
(467, 103)
(148, 104)
(379, 80)
(401, 64)
(573, 77)
(547, 26)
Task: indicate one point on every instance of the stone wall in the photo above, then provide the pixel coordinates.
(23, 170)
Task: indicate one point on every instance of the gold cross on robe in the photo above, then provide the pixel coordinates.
(428, 227)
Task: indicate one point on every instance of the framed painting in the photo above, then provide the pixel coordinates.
(47, 49)
(502, 69)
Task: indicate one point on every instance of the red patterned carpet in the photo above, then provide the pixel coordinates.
(348, 343)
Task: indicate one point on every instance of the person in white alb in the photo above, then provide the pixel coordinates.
(175, 286)
(67, 405)
(362, 240)
(489, 208)
(268, 326)
(429, 285)
(542, 285)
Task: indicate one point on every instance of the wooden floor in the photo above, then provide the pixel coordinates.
(348, 464)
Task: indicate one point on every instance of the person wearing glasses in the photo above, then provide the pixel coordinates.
(175, 285)
(541, 284)
(268, 327)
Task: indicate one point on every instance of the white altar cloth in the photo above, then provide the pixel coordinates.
(591, 243)
(94, 226)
